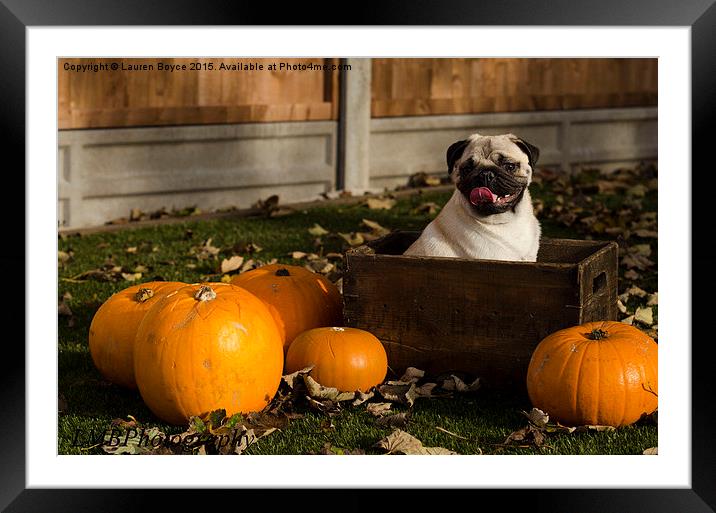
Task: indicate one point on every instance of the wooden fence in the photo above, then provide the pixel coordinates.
(154, 97)
(400, 87)
(418, 87)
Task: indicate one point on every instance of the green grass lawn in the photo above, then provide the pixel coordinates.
(482, 420)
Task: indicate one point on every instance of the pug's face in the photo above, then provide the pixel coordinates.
(492, 171)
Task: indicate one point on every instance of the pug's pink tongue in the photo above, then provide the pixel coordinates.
(482, 195)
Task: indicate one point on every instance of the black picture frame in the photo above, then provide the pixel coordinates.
(700, 15)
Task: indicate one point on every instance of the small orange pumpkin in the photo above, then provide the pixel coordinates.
(298, 298)
(205, 347)
(348, 359)
(114, 327)
(602, 373)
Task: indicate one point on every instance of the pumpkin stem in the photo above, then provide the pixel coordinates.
(205, 293)
(143, 295)
(597, 334)
(282, 272)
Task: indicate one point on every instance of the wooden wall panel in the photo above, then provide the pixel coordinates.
(400, 87)
(418, 87)
(149, 98)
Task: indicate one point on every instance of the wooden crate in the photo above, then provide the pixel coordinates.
(480, 317)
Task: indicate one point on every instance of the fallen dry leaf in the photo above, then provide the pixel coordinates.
(422, 179)
(131, 276)
(426, 390)
(412, 375)
(317, 230)
(376, 229)
(362, 397)
(641, 249)
(644, 316)
(396, 420)
(632, 291)
(64, 257)
(401, 442)
(63, 309)
(400, 392)
(620, 306)
(268, 205)
(248, 265)
(537, 417)
(453, 383)
(380, 203)
(353, 238)
(205, 250)
(526, 436)
(245, 247)
(231, 264)
(635, 260)
(582, 429)
(378, 409)
(318, 391)
(292, 379)
(320, 265)
(631, 274)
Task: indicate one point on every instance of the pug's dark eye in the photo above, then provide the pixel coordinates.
(509, 166)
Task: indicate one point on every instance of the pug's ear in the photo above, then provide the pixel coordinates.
(531, 151)
(454, 152)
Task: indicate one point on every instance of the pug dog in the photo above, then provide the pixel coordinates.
(490, 214)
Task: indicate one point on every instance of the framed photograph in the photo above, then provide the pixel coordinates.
(457, 212)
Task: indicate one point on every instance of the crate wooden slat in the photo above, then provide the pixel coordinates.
(479, 317)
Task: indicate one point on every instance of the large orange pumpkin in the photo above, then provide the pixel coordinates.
(348, 359)
(298, 298)
(205, 347)
(602, 373)
(114, 327)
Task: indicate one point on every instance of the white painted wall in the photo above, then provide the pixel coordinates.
(605, 138)
(103, 174)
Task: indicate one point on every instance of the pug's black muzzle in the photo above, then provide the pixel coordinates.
(502, 184)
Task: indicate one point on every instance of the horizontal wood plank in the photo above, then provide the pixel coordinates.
(123, 98)
(400, 87)
(422, 87)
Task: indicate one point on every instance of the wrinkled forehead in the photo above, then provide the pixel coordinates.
(483, 147)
